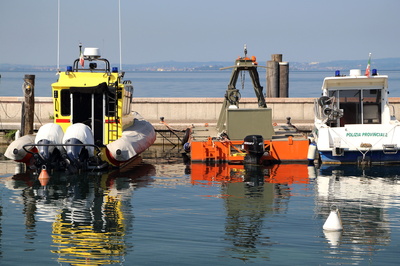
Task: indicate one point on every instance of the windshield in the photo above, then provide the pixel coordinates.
(359, 106)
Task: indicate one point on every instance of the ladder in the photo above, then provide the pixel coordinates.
(113, 122)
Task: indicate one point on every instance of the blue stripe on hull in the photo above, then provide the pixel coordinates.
(354, 156)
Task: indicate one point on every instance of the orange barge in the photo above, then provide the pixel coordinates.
(246, 135)
(288, 149)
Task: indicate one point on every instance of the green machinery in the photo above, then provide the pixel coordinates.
(237, 122)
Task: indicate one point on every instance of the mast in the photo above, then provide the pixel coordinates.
(58, 37)
(120, 35)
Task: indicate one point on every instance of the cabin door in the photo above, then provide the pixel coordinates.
(87, 108)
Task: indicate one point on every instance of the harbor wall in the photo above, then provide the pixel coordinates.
(183, 111)
(207, 110)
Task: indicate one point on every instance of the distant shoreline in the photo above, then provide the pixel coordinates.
(388, 64)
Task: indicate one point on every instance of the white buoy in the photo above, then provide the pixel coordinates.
(333, 223)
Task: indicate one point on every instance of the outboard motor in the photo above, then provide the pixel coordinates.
(43, 151)
(78, 142)
(254, 147)
(49, 153)
(77, 154)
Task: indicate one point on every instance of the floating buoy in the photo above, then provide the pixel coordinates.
(44, 176)
(333, 223)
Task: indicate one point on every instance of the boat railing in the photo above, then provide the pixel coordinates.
(92, 65)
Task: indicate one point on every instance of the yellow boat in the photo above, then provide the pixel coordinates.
(93, 127)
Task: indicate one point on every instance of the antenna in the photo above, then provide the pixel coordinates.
(119, 28)
(58, 38)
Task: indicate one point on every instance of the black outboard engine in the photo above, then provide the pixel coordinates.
(254, 147)
(45, 156)
(43, 151)
(77, 155)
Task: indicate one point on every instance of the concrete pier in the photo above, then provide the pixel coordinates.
(180, 112)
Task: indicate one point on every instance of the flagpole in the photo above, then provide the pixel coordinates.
(368, 69)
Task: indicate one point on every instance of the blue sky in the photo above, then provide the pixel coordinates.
(206, 30)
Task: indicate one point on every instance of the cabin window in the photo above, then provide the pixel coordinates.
(65, 103)
(349, 102)
(359, 106)
(371, 107)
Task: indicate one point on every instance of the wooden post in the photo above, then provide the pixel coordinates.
(283, 79)
(276, 57)
(29, 110)
(272, 79)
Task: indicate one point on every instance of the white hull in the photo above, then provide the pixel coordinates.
(352, 143)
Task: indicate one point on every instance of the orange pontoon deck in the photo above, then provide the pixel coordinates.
(288, 149)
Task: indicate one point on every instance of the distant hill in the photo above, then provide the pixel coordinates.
(380, 64)
(177, 66)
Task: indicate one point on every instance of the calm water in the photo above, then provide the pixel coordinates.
(189, 84)
(171, 213)
(167, 212)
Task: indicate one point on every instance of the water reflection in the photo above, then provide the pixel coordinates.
(364, 197)
(252, 194)
(91, 213)
(232, 213)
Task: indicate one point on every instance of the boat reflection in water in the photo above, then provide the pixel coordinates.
(252, 195)
(90, 213)
(251, 174)
(364, 197)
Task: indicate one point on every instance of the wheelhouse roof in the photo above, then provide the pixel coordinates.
(355, 82)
